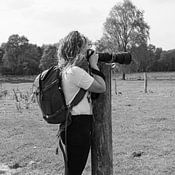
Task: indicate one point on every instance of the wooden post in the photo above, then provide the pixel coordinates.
(102, 154)
(123, 76)
(145, 82)
(116, 83)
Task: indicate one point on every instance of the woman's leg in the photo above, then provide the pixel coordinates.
(77, 158)
(78, 140)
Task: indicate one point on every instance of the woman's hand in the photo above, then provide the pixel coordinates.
(93, 60)
(98, 85)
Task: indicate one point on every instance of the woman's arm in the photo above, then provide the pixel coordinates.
(98, 85)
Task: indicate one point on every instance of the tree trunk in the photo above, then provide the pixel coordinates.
(123, 76)
(115, 84)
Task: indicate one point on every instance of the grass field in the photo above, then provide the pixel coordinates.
(143, 129)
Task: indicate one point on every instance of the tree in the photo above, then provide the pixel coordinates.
(20, 57)
(140, 54)
(158, 52)
(125, 28)
(13, 48)
(1, 54)
(167, 59)
(32, 55)
(144, 57)
(49, 57)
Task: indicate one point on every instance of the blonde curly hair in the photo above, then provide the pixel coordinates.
(71, 46)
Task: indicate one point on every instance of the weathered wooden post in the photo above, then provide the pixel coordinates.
(102, 154)
(116, 84)
(145, 82)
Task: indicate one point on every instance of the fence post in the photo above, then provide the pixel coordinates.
(101, 151)
(115, 84)
(145, 82)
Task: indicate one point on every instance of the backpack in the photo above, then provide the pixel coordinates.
(50, 96)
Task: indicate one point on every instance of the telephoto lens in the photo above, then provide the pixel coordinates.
(121, 57)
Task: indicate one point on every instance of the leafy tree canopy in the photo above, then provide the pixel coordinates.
(20, 57)
(49, 57)
(125, 27)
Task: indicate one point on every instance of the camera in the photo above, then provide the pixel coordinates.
(121, 57)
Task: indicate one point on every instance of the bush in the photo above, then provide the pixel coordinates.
(6, 71)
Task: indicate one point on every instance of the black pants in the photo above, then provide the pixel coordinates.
(78, 143)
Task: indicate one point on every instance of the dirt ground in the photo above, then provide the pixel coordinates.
(143, 132)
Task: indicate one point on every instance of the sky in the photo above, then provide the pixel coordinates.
(47, 21)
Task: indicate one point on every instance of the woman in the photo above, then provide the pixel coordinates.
(75, 67)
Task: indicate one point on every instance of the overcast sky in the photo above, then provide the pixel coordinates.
(47, 21)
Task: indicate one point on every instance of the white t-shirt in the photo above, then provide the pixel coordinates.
(74, 78)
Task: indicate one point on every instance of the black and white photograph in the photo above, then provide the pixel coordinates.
(87, 87)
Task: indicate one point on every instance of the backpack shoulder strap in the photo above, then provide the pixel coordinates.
(79, 96)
